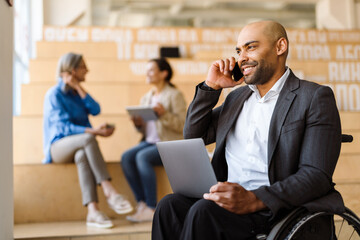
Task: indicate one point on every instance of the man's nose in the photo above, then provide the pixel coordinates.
(243, 57)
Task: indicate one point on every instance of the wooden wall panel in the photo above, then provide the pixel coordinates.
(28, 138)
(44, 70)
(88, 49)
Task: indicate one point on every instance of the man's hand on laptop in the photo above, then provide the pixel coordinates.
(234, 198)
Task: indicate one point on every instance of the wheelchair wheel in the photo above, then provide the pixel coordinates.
(301, 224)
(322, 225)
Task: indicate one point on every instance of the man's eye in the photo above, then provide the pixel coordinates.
(238, 52)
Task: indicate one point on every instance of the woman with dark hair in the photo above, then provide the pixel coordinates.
(138, 162)
(69, 137)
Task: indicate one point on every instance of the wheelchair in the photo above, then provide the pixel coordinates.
(301, 224)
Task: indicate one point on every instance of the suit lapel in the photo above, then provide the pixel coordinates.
(281, 110)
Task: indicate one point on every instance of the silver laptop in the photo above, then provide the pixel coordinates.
(187, 166)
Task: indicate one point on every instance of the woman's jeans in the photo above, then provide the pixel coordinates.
(137, 164)
(83, 149)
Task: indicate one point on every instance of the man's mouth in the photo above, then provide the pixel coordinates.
(248, 68)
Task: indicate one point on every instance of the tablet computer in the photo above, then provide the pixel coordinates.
(145, 112)
(188, 167)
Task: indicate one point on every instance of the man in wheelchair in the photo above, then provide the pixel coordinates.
(277, 140)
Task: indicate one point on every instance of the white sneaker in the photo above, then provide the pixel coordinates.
(98, 219)
(119, 204)
(146, 215)
(139, 208)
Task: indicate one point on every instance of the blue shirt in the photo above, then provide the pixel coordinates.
(65, 114)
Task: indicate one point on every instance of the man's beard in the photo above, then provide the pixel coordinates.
(262, 74)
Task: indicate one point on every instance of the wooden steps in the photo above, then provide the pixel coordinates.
(125, 136)
(350, 191)
(28, 135)
(110, 70)
(107, 50)
(105, 70)
(51, 192)
(113, 98)
(28, 138)
(43, 201)
(77, 230)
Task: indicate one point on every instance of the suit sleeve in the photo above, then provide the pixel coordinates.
(201, 119)
(319, 153)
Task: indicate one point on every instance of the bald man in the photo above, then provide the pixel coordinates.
(277, 143)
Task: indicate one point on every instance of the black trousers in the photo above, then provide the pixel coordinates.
(179, 217)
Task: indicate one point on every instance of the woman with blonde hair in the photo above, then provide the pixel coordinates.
(69, 137)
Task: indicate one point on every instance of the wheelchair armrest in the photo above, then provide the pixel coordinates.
(346, 138)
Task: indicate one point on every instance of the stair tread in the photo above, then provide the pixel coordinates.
(76, 228)
(41, 184)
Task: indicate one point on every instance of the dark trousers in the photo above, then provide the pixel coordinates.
(179, 217)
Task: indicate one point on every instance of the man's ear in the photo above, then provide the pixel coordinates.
(281, 46)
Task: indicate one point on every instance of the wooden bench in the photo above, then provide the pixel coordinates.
(51, 192)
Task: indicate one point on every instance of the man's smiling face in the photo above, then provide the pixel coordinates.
(257, 54)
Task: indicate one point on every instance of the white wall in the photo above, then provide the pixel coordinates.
(6, 165)
(336, 14)
(357, 14)
(67, 12)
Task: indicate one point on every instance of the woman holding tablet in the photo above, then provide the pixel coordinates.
(69, 137)
(169, 105)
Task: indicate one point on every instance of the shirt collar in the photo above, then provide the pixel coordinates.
(275, 89)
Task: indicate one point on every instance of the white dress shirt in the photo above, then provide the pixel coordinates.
(247, 142)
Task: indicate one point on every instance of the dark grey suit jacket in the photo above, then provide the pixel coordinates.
(303, 145)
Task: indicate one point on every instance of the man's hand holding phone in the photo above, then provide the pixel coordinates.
(224, 73)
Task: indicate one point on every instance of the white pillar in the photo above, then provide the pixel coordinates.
(357, 15)
(336, 14)
(37, 23)
(6, 163)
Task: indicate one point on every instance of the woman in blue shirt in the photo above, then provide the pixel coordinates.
(69, 137)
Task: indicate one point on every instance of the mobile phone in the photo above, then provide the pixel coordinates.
(236, 73)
